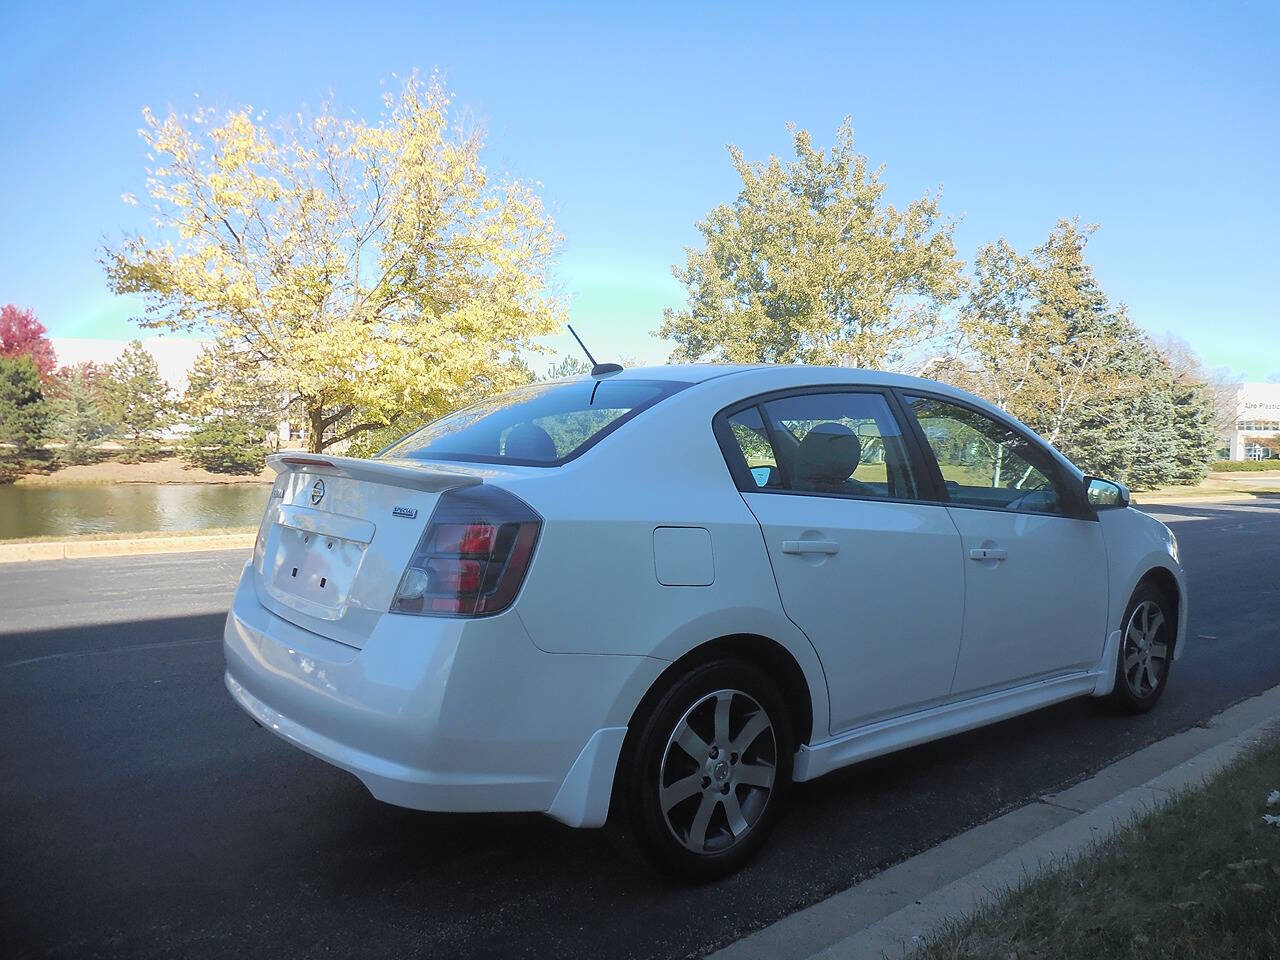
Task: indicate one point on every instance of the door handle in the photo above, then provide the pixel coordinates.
(810, 546)
(988, 553)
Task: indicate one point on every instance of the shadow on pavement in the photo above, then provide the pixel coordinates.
(146, 816)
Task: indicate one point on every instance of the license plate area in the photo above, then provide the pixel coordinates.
(313, 572)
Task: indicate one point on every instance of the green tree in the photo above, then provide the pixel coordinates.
(568, 366)
(376, 272)
(1037, 336)
(231, 408)
(223, 444)
(1162, 432)
(1197, 435)
(1200, 398)
(24, 412)
(809, 264)
(138, 400)
(1128, 432)
(79, 406)
(1206, 404)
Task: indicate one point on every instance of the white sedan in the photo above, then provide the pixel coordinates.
(673, 591)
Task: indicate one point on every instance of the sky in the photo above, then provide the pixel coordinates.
(1160, 123)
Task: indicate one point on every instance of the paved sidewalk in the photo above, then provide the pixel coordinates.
(890, 913)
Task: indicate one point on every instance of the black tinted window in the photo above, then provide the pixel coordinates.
(543, 423)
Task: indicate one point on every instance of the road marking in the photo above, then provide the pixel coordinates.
(1175, 518)
(85, 653)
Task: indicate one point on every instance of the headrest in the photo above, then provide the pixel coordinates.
(828, 455)
(528, 441)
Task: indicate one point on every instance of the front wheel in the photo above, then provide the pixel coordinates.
(711, 762)
(1146, 650)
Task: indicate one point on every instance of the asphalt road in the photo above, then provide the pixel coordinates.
(143, 815)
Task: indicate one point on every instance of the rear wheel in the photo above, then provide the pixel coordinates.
(1146, 650)
(710, 764)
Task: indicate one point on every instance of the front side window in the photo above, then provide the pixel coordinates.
(985, 463)
(825, 443)
(539, 425)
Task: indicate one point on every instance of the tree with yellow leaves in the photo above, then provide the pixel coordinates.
(373, 271)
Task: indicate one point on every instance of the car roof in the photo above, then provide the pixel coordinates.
(784, 374)
(765, 377)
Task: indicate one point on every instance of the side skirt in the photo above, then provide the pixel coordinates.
(897, 733)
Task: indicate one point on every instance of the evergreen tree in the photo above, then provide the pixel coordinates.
(226, 444)
(1197, 434)
(78, 405)
(232, 409)
(1204, 408)
(1038, 337)
(139, 400)
(24, 412)
(568, 366)
(1126, 433)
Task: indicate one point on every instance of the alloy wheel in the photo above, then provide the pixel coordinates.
(1146, 649)
(718, 771)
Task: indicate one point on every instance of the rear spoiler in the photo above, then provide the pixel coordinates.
(397, 473)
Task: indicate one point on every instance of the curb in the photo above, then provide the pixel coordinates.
(80, 549)
(892, 913)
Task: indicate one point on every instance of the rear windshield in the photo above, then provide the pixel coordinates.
(542, 424)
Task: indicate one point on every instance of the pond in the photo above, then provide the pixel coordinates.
(31, 511)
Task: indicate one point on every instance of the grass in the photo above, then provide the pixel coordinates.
(130, 535)
(1200, 878)
(1208, 490)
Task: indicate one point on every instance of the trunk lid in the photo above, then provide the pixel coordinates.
(338, 533)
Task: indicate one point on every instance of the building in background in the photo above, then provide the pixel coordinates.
(1257, 416)
(174, 357)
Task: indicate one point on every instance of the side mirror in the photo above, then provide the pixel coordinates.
(1106, 494)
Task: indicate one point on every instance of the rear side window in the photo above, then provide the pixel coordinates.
(543, 424)
(753, 443)
(843, 443)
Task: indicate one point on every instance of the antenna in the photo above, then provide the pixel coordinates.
(581, 344)
(597, 369)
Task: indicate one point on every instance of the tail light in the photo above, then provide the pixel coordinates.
(472, 557)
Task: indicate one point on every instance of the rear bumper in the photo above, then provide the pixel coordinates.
(440, 714)
(397, 783)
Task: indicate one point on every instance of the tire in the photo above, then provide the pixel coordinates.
(1145, 657)
(703, 783)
